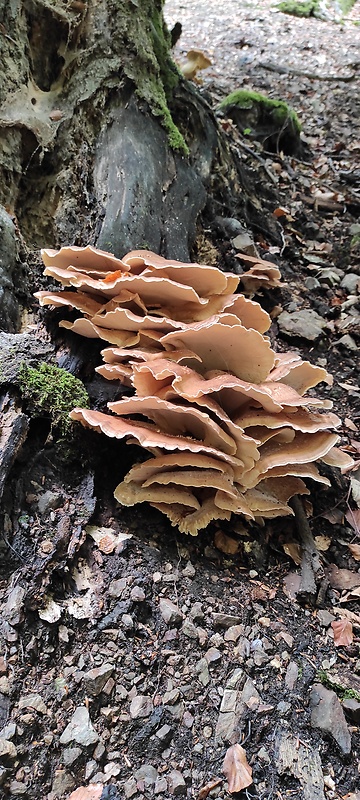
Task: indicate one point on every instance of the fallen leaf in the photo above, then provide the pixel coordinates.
(236, 768)
(350, 424)
(335, 516)
(291, 585)
(106, 538)
(322, 543)
(91, 792)
(226, 544)
(293, 550)
(353, 594)
(204, 791)
(343, 632)
(342, 579)
(353, 517)
(355, 551)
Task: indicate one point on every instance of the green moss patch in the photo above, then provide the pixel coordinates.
(53, 392)
(308, 8)
(270, 121)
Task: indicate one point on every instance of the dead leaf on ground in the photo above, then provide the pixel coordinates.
(293, 550)
(343, 632)
(353, 518)
(106, 538)
(226, 544)
(335, 516)
(350, 424)
(342, 579)
(236, 768)
(322, 543)
(291, 585)
(355, 551)
(353, 594)
(205, 790)
(91, 792)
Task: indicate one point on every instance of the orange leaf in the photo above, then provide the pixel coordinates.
(237, 769)
(355, 551)
(343, 632)
(203, 793)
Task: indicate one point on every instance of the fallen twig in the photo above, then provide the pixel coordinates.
(310, 563)
(312, 75)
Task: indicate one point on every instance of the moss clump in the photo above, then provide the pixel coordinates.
(308, 8)
(54, 392)
(278, 109)
(331, 683)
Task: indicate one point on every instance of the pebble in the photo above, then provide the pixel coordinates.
(130, 788)
(140, 707)
(62, 784)
(170, 612)
(13, 611)
(213, 655)
(306, 323)
(8, 751)
(146, 773)
(350, 282)
(137, 594)
(17, 788)
(189, 629)
(225, 620)
(34, 702)
(291, 675)
(352, 709)
(117, 587)
(202, 670)
(160, 785)
(70, 755)
(348, 342)
(176, 783)
(95, 679)
(325, 618)
(328, 715)
(189, 571)
(80, 729)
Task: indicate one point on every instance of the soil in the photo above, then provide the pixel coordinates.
(235, 655)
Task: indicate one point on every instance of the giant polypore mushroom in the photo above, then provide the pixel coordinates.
(225, 422)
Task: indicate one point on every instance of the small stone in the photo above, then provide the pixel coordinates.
(328, 715)
(117, 587)
(225, 620)
(263, 756)
(5, 685)
(196, 613)
(80, 729)
(352, 709)
(189, 630)
(164, 734)
(34, 702)
(70, 755)
(245, 244)
(130, 788)
(207, 732)
(291, 675)
(146, 773)
(160, 785)
(233, 633)
(350, 282)
(137, 594)
(325, 618)
(8, 751)
(213, 655)
(171, 697)
(62, 784)
(188, 719)
(141, 706)
(176, 783)
(170, 612)
(189, 571)
(283, 707)
(127, 622)
(9, 731)
(17, 788)
(48, 501)
(13, 611)
(348, 342)
(307, 324)
(95, 679)
(202, 670)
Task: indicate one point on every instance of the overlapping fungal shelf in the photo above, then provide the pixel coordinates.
(226, 423)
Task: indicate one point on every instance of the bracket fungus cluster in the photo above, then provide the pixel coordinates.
(226, 423)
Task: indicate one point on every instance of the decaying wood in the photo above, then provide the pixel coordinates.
(303, 763)
(310, 563)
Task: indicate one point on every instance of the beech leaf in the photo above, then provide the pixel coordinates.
(236, 768)
(355, 551)
(343, 632)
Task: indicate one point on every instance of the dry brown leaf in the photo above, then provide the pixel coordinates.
(350, 424)
(322, 543)
(353, 518)
(236, 768)
(355, 551)
(343, 632)
(91, 792)
(342, 579)
(204, 791)
(335, 516)
(226, 544)
(293, 550)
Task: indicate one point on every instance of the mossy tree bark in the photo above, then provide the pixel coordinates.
(91, 152)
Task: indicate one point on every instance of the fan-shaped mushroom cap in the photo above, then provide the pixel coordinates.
(304, 448)
(79, 300)
(146, 434)
(302, 375)
(260, 273)
(142, 472)
(301, 470)
(204, 279)
(84, 257)
(302, 420)
(131, 493)
(250, 314)
(192, 523)
(238, 350)
(177, 419)
(337, 458)
(84, 327)
(195, 478)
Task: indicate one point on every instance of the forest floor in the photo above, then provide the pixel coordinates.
(135, 657)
